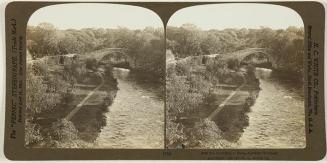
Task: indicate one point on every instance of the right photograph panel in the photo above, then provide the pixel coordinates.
(234, 77)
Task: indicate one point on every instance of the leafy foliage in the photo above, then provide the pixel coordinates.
(196, 80)
(145, 47)
(60, 58)
(287, 46)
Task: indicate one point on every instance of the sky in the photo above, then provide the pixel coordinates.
(221, 16)
(214, 16)
(78, 16)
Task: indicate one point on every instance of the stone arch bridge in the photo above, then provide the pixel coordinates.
(117, 57)
(259, 57)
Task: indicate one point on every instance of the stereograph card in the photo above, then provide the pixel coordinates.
(165, 80)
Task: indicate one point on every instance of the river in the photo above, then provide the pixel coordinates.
(277, 119)
(136, 118)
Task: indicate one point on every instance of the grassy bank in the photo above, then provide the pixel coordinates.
(195, 89)
(54, 89)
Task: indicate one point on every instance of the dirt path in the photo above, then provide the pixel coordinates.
(221, 106)
(79, 106)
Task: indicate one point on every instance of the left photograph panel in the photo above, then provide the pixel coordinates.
(95, 77)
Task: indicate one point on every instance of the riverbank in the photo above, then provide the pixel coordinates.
(84, 87)
(196, 89)
(90, 119)
(51, 128)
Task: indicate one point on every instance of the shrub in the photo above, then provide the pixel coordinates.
(38, 96)
(80, 72)
(183, 68)
(206, 134)
(175, 134)
(233, 64)
(215, 70)
(198, 83)
(170, 70)
(43, 93)
(62, 134)
(32, 133)
(74, 71)
(38, 67)
(91, 63)
(206, 129)
(179, 99)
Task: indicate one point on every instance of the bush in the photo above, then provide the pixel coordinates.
(39, 97)
(32, 133)
(215, 70)
(43, 93)
(206, 129)
(179, 98)
(233, 64)
(175, 134)
(74, 71)
(91, 64)
(206, 134)
(80, 73)
(62, 134)
(170, 70)
(198, 84)
(38, 68)
(182, 68)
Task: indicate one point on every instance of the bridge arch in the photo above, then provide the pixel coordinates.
(117, 57)
(259, 57)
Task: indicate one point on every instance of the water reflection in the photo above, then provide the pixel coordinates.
(263, 73)
(121, 73)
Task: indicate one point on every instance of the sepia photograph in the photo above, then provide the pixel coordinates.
(95, 77)
(146, 80)
(235, 77)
